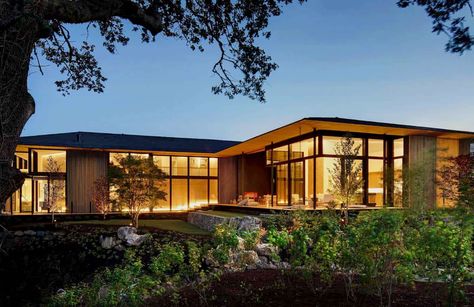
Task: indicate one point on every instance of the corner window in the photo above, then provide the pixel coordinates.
(49, 161)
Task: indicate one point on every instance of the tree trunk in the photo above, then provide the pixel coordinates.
(16, 104)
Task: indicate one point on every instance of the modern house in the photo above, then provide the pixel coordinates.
(287, 167)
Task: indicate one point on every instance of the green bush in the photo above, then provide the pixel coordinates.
(168, 262)
(251, 239)
(225, 235)
(279, 238)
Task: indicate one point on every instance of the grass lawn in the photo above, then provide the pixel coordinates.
(224, 213)
(171, 225)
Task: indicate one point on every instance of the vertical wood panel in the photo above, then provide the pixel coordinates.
(83, 168)
(227, 179)
(422, 153)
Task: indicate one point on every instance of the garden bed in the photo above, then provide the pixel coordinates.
(289, 288)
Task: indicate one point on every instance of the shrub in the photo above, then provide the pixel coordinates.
(168, 262)
(251, 239)
(279, 238)
(299, 245)
(225, 235)
(382, 257)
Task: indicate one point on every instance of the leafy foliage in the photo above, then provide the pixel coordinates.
(137, 182)
(100, 195)
(346, 177)
(456, 180)
(448, 17)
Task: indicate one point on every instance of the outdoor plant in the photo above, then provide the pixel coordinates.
(456, 180)
(54, 188)
(251, 238)
(444, 251)
(137, 182)
(383, 259)
(346, 174)
(100, 195)
(168, 262)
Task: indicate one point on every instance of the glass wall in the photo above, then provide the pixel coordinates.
(48, 161)
(190, 181)
(305, 174)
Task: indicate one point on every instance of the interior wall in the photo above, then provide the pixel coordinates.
(253, 175)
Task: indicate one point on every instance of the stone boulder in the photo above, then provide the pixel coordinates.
(129, 235)
(266, 249)
(30, 232)
(246, 223)
(108, 242)
(205, 221)
(245, 258)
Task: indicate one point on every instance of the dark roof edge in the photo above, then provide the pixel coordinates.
(382, 124)
(123, 134)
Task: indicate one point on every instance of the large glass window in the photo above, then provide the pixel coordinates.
(376, 148)
(49, 161)
(330, 144)
(198, 193)
(179, 166)
(398, 148)
(26, 196)
(163, 163)
(50, 195)
(376, 183)
(297, 183)
(282, 184)
(280, 154)
(179, 197)
(302, 149)
(198, 166)
(213, 167)
(309, 182)
(323, 183)
(21, 161)
(164, 204)
(213, 191)
(398, 182)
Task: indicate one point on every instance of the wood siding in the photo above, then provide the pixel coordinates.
(465, 146)
(253, 175)
(83, 168)
(227, 179)
(422, 162)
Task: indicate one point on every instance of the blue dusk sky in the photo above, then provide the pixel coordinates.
(362, 59)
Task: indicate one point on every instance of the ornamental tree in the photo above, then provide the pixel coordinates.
(456, 180)
(100, 195)
(345, 176)
(137, 182)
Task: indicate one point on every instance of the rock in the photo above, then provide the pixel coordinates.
(40, 233)
(205, 221)
(134, 239)
(262, 259)
(245, 258)
(246, 223)
(125, 231)
(18, 233)
(107, 242)
(283, 265)
(129, 235)
(241, 244)
(266, 266)
(266, 249)
(30, 232)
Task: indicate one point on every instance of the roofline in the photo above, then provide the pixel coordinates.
(381, 124)
(124, 134)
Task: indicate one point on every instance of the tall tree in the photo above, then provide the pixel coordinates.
(30, 28)
(137, 183)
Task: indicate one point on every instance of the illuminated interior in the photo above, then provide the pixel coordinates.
(304, 170)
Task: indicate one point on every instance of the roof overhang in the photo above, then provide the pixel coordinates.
(307, 125)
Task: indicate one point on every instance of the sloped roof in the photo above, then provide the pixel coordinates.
(93, 140)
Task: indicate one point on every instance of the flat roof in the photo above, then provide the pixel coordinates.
(309, 124)
(110, 141)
